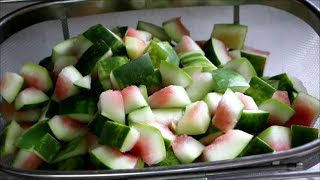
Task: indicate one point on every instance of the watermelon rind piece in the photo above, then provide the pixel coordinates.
(76, 147)
(8, 138)
(259, 90)
(173, 75)
(227, 146)
(33, 135)
(255, 147)
(225, 78)
(233, 35)
(175, 29)
(47, 148)
(119, 136)
(195, 120)
(277, 137)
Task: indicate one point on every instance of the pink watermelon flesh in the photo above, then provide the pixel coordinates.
(27, 160)
(169, 97)
(277, 137)
(282, 96)
(247, 101)
(135, 46)
(196, 119)
(133, 99)
(227, 146)
(186, 45)
(64, 84)
(228, 112)
(112, 106)
(307, 110)
(131, 32)
(187, 149)
(150, 145)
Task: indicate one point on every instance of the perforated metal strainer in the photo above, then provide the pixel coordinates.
(289, 29)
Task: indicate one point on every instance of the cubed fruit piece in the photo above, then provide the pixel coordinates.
(133, 99)
(193, 69)
(74, 163)
(112, 106)
(252, 121)
(76, 147)
(255, 147)
(99, 32)
(227, 146)
(142, 115)
(202, 83)
(225, 78)
(162, 51)
(10, 86)
(233, 35)
(134, 73)
(247, 101)
(228, 111)
(197, 59)
(167, 116)
(106, 66)
(33, 135)
(84, 83)
(30, 98)
(47, 148)
(166, 133)
(307, 110)
(243, 67)
(68, 52)
(175, 29)
(290, 84)
(186, 45)
(171, 159)
(105, 157)
(135, 47)
(140, 34)
(119, 136)
(64, 85)
(302, 135)
(27, 160)
(217, 52)
(280, 112)
(169, 97)
(173, 75)
(97, 123)
(212, 99)
(187, 149)
(79, 107)
(36, 76)
(8, 138)
(260, 90)
(277, 137)
(150, 145)
(282, 96)
(65, 128)
(195, 120)
(257, 59)
(155, 30)
(87, 62)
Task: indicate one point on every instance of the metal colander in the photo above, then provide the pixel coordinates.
(289, 29)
